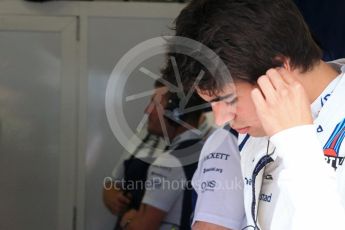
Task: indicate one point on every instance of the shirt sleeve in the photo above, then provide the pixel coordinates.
(309, 182)
(218, 182)
(164, 184)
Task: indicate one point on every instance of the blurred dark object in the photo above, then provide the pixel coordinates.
(39, 0)
(326, 21)
(181, 1)
(57, 0)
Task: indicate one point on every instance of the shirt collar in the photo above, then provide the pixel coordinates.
(190, 134)
(317, 105)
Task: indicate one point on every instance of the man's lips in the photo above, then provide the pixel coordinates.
(242, 130)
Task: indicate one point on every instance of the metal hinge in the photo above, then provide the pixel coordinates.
(78, 29)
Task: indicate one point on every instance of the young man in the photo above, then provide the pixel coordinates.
(287, 99)
(167, 202)
(218, 178)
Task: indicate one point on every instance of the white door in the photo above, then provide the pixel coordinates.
(38, 122)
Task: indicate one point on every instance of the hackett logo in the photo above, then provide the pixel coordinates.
(220, 156)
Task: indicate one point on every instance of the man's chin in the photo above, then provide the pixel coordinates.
(154, 132)
(151, 131)
(256, 133)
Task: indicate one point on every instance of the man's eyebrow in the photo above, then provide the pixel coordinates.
(220, 98)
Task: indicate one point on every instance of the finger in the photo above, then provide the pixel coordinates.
(124, 200)
(276, 79)
(114, 209)
(266, 87)
(119, 207)
(122, 209)
(287, 77)
(258, 99)
(129, 196)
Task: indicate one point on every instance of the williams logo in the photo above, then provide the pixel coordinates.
(332, 146)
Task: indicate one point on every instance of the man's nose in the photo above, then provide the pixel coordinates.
(149, 108)
(223, 114)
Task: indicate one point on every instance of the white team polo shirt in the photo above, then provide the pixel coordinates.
(290, 183)
(218, 182)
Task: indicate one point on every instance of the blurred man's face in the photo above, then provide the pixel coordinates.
(155, 111)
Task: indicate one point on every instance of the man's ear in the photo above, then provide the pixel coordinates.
(285, 62)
